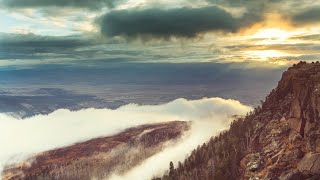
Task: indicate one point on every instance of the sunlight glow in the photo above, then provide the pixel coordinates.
(264, 55)
(272, 36)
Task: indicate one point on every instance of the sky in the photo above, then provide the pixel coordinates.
(150, 51)
(265, 32)
(79, 54)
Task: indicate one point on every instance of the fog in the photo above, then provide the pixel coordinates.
(213, 118)
(22, 138)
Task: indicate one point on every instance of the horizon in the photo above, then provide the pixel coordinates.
(92, 70)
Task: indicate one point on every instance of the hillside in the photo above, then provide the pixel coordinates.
(98, 157)
(278, 140)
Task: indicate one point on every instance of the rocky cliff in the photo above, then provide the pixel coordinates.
(286, 141)
(98, 158)
(278, 140)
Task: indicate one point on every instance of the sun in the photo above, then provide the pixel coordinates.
(265, 38)
(271, 36)
(264, 55)
(271, 33)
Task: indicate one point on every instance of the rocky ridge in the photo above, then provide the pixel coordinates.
(279, 140)
(286, 137)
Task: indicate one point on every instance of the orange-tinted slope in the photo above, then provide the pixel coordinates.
(98, 157)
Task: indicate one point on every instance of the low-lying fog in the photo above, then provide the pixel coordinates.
(22, 138)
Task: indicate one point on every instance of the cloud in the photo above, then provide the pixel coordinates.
(88, 4)
(158, 164)
(24, 40)
(203, 127)
(165, 23)
(64, 127)
(312, 37)
(307, 16)
(164, 19)
(311, 58)
(306, 48)
(31, 46)
(299, 13)
(23, 49)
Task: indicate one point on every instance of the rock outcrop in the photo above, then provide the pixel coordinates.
(288, 127)
(279, 140)
(298, 93)
(310, 163)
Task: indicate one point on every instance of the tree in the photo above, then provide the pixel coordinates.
(171, 172)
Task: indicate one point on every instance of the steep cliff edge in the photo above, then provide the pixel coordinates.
(286, 139)
(279, 140)
(297, 96)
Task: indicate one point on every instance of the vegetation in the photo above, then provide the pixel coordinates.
(220, 157)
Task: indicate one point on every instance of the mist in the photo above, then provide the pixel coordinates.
(215, 118)
(22, 138)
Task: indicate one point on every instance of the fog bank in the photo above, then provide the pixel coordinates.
(215, 117)
(21, 138)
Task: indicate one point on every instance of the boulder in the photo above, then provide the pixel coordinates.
(285, 128)
(310, 163)
(295, 124)
(255, 162)
(314, 177)
(293, 155)
(296, 153)
(291, 175)
(294, 137)
(295, 110)
(318, 145)
(244, 162)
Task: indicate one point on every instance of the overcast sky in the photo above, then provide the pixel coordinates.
(267, 32)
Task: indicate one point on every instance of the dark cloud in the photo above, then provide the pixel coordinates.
(23, 40)
(88, 4)
(248, 4)
(254, 9)
(300, 13)
(191, 22)
(164, 23)
(307, 16)
(31, 46)
(25, 46)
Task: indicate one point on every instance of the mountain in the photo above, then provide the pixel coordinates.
(27, 103)
(278, 140)
(98, 157)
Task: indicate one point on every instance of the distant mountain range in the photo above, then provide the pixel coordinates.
(47, 100)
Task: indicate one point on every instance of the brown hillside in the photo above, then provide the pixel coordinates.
(98, 157)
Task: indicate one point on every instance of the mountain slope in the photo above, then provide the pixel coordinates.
(99, 157)
(279, 140)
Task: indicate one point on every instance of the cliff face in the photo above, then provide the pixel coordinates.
(98, 158)
(279, 140)
(298, 91)
(286, 139)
